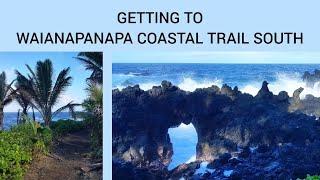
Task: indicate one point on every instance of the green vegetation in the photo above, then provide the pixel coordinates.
(20, 145)
(94, 116)
(23, 100)
(62, 127)
(312, 177)
(38, 90)
(26, 141)
(93, 105)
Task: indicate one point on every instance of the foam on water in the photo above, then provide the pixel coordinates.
(284, 82)
(227, 173)
(192, 159)
(192, 76)
(189, 84)
(203, 168)
(253, 149)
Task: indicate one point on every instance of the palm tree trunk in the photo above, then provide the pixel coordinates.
(1, 118)
(24, 111)
(47, 121)
(18, 117)
(33, 115)
(47, 118)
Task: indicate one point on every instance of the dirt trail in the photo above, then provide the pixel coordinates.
(66, 160)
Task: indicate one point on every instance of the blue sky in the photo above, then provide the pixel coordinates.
(9, 61)
(248, 57)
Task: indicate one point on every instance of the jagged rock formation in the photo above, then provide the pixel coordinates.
(140, 122)
(311, 78)
(310, 105)
(225, 119)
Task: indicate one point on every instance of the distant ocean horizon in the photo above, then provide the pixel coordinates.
(10, 118)
(247, 77)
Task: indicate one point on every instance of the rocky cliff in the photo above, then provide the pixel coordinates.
(225, 120)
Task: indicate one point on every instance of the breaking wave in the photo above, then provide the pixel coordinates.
(285, 82)
(187, 84)
(282, 82)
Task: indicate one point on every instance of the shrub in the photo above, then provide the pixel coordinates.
(312, 177)
(19, 145)
(62, 127)
(14, 154)
(33, 133)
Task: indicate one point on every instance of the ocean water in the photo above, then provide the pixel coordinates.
(248, 78)
(10, 118)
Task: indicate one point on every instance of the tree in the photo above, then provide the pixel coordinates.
(93, 104)
(6, 96)
(23, 100)
(93, 107)
(43, 92)
(93, 62)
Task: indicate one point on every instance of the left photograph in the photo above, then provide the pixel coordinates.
(51, 115)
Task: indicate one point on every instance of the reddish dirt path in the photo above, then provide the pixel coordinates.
(66, 160)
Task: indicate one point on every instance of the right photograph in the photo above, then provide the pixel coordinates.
(235, 120)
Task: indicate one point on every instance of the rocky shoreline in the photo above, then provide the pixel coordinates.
(284, 131)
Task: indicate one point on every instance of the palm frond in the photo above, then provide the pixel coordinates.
(70, 106)
(44, 72)
(95, 93)
(61, 84)
(23, 99)
(29, 86)
(92, 61)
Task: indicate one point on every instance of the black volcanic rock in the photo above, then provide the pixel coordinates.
(224, 119)
(309, 105)
(264, 92)
(311, 78)
(287, 161)
(184, 170)
(140, 122)
(125, 170)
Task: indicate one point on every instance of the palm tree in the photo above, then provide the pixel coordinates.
(93, 62)
(94, 115)
(23, 100)
(94, 102)
(43, 92)
(6, 96)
